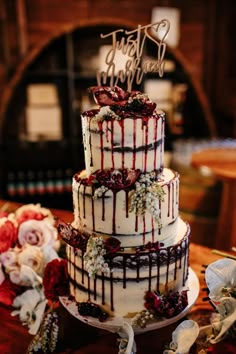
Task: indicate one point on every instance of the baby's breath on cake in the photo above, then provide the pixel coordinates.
(94, 256)
(146, 196)
(98, 193)
(105, 113)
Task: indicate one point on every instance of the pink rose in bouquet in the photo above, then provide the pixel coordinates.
(37, 233)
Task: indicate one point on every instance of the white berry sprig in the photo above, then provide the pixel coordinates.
(105, 113)
(93, 258)
(147, 196)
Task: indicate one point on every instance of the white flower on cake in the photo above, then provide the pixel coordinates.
(146, 196)
(99, 192)
(93, 257)
(104, 113)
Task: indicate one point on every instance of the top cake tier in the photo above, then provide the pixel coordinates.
(126, 131)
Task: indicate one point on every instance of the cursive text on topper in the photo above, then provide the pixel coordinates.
(132, 45)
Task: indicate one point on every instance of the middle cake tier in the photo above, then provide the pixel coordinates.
(107, 211)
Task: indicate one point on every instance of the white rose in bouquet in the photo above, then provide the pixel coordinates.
(32, 256)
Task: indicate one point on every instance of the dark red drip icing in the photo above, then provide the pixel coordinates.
(162, 140)
(106, 131)
(146, 144)
(112, 143)
(168, 206)
(173, 198)
(90, 144)
(155, 139)
(101, 145)
(176, 191)
(127, 203)
(150, 273)
(93, 212)
(121, 122)
(134, 141)
(114, 213)
(158, 272)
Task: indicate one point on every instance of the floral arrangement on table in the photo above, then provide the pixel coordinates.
(32, 274)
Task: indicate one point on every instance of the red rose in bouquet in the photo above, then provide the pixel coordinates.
(8, 235)
(8, 292)
(56, 279)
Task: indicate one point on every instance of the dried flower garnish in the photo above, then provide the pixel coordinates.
(72, 236)
(159, 306)
(91, 309)
(147, 196)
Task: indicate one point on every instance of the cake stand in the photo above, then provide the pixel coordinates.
(114, 324)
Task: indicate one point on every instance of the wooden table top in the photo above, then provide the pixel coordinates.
(79, 338)
(222, 161)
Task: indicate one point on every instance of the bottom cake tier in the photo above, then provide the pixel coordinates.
(159, 268)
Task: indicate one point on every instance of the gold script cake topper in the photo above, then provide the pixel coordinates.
(132, 45)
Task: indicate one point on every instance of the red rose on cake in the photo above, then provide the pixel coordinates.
(56, 279)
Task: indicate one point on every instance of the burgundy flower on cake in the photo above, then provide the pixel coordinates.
(111, 245)
(117, 179)
(107, 96)
(166, 305)
(56, 279)
(8, 234)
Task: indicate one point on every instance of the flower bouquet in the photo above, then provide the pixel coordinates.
(32, 274)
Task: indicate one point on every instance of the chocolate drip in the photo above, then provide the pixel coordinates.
(90, 145)
(103, 289)
(111, 292)
(103, 207)
(168, 206)
(114, 213)
(101, 145)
